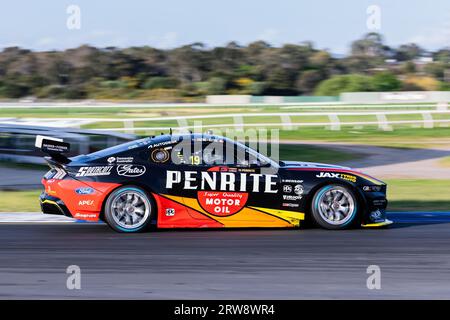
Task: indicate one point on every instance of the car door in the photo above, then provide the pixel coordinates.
(253, 187)
(214, 186)
(263, 187)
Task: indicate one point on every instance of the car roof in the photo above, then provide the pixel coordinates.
(146, 142)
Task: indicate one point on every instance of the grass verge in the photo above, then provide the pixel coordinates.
(418, 195)
(20, 201)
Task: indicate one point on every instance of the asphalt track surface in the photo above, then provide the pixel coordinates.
(413, 256)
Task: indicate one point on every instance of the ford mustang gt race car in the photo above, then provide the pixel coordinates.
(204, 181)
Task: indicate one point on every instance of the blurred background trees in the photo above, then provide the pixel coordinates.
(194, 70)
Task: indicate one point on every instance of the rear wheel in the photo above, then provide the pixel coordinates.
(129, 209)
(334, 207)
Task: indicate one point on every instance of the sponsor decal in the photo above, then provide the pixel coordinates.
(376, 215)
(222, 204)
(124, 159)
(85, 215)
(222, 181)
(49, 190)
(298, 189)
(291, 181)
(55, 146)
(84, 190)
(170, 212)
(160, 155)
(129, 170)
(231, 169)
(245, 170)
(94, 171)
(160, 144)
(372, 188)
(291, 205)
(85, 202)
(291, 197)
(342, 176)
(120, 159)
(379, 202)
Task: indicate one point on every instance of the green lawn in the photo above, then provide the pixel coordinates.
(402, 137)
(403, 195)
(20, 201)
(418, 195)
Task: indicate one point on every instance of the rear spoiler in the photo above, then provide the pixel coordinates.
(54, 147)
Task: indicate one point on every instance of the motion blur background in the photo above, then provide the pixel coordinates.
(356, 83)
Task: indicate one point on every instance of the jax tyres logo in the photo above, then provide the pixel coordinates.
(346, 177)
(129, 170)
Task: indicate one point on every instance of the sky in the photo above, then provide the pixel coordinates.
(333, 25)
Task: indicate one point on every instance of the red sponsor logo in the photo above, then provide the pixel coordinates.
(222, 204)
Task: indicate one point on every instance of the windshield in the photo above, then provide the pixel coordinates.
(255, 157)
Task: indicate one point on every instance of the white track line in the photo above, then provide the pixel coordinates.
(33, 217)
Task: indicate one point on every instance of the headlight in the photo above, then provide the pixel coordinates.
(372, 188)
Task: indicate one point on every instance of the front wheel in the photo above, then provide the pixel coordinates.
(129, 209)
(334, 207)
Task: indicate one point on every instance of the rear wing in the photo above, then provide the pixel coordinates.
(54, 147)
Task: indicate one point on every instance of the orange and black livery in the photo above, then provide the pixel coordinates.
(204, 181)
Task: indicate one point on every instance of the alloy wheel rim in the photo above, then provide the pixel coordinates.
(336, 206)
(130, 209)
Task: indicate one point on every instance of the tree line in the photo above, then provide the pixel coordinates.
(193, 71)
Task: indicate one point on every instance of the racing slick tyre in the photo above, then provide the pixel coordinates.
(129, 209)
(334, 207)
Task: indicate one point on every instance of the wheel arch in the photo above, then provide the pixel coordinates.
(362, 202)
(143, 186)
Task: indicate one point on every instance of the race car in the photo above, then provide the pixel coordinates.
(204, 181)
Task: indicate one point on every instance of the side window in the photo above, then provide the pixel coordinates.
(206, 153)
(230, 154)
(214, 153)
(203, 153)
(246, 157)
(185, 153)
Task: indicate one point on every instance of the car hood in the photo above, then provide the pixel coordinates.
(293, 165)
(302, 164)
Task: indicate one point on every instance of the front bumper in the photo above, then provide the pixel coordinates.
(384, 223)
(53, 205)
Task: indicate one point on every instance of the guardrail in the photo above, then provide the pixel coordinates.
(285, 121)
